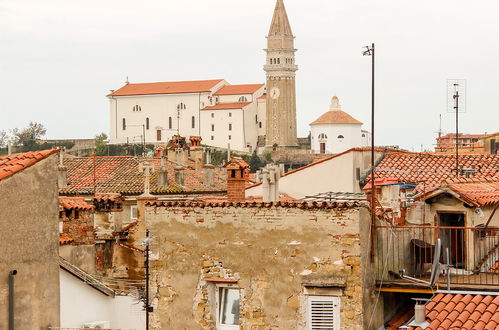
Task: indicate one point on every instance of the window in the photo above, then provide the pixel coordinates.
(341, 136)
(181, 106)
(212, 138)
(230, 127)
(158, 135)
(243, 99)
(363, 135)
(256, 119)
(228, 308)
(212, 127)
(193, 122)
(212, 115)
(323, 312)
(133, 212)
(322, 136)
(230, 137)
(260, 124)
(170, 122)
(136, 108)
(124, 124)
(147, 123)
(230, 114)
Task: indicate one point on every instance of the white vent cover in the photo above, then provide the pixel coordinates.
(323, 313)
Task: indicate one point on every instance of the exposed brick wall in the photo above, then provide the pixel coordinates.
(274, 255)
(78, 225)
(236, 190)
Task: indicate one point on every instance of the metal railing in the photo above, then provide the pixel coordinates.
(409, 250)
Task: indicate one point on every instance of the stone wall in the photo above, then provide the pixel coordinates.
(29, 240)
(276, 256)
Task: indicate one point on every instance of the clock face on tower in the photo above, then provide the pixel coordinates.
(275, 92)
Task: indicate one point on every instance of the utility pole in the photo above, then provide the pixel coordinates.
(370, 52)
(456, 108)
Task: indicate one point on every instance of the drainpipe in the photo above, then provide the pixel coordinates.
(11, 298)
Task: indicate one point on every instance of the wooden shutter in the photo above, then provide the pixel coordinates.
(323, 313)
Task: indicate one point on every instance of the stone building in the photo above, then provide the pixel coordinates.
(254, 265)
(29, 240)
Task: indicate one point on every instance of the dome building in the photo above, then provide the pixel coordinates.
(336, 131)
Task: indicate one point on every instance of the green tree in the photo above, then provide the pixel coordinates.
(28, 136)
(255, 162)
(101, 142)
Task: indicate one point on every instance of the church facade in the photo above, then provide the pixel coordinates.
(239, 117)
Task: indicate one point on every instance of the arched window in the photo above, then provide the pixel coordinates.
(322, 136)
(363, 135)
(278, 61)
(181, 106)
(193, 122)
(136, 108)
(243, 99)
(230, 127)
(341, 136)
(124, 124)
(170, 123)
(147, 123)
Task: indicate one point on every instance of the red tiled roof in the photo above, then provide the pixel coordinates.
(65, 240)
(462, 311)
(226, 106)
(291, 204)
(238, 161)
(434, 169)
(177, 87)
(12, 164)
(248, 199)
(479, 194)
(335, 117)
(113, 197)
(494, 268)
(78, 203)
(122, 175)
(239, 89)
(381, 182)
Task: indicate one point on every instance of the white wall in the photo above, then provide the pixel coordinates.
(81, 303)
(338, 174)
(350, 132)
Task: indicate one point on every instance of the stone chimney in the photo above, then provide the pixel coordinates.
(163, 172)
(209, 170)
(176, 150)
(196, 151)
(179, 175)
(237, 173)
(269, 177)
(62, 177)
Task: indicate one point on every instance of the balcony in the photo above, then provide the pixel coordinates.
(409, 250)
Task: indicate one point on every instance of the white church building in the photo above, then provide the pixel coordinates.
(223, 115)
(336, 131)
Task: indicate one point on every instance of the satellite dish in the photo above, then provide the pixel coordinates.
(435, 268)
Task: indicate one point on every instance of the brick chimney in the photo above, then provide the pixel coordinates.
(237, 176)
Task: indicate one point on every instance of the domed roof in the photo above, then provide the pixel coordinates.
(335, 115)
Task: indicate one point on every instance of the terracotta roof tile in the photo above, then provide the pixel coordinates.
(177, 87)
(12, 164)
(65, 240)
(292, 204)
(239, 89)
(121, 175)
(475, 316)
(335, 117)
(227, 106)
(70, 203)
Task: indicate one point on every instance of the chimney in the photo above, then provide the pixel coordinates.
(179, 175)
(162, 172)
(62, 178)
(269, 177)
(209, 175)
(9, 148)
(237, 170)
(196, 151)
(420, 313)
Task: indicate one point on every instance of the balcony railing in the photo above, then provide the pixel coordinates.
(409, 250)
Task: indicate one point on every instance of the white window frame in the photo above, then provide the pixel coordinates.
(133, 209)
(219, 310)
(336, 311)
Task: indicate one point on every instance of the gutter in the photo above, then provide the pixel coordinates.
(12, 273)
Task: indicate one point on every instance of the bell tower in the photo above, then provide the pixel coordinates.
(281, 92)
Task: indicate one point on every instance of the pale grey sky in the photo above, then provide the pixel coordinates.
(60, 58)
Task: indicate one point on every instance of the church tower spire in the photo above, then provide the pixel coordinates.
(281, 91)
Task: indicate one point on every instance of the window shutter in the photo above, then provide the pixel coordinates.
(324, 312)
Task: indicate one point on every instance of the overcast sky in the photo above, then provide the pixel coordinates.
(60, 58)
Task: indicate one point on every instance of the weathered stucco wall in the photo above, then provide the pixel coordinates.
(29, 241)
(277, 255)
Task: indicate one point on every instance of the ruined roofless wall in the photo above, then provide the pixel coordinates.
(276, 254)
(29, 239)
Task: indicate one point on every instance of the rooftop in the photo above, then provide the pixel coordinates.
(255, 204)
(74, 203)
(226, 106)
(478, 194)
(177, 87)
(12, 164)
(239, 89)
(335, 115)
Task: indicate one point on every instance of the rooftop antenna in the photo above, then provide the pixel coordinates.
(178, 119)
(126, 80)
(456, 102)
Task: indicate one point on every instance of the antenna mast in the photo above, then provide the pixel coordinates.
(456, 101)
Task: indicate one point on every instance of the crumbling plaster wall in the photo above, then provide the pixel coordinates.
(272, 253)
(29, 241)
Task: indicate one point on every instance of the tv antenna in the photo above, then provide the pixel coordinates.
(456, 103)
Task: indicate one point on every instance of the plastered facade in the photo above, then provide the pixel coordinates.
(275, 256)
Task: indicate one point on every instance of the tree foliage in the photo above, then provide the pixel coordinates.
(28, 136)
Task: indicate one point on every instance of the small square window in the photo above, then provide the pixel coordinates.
(230, 137)
(323, 312)
(212, 137)
(212, 115)
(230, 114)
